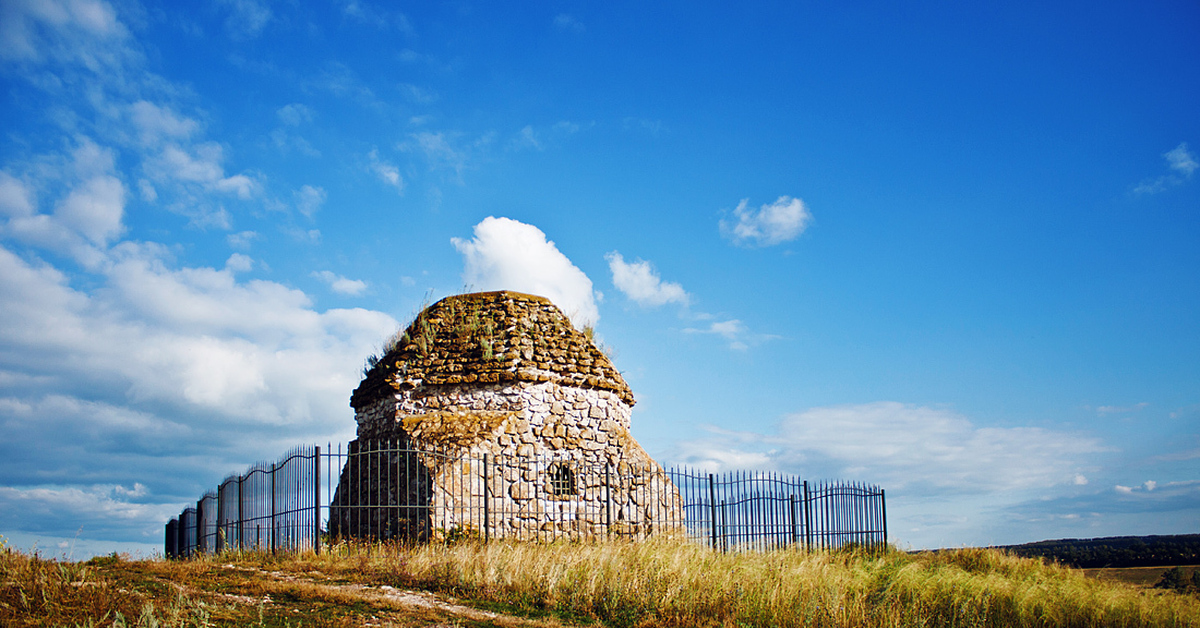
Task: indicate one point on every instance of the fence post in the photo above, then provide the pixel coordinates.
(274, 526)
(487, 500)
(317, 499)
(807, 520)
(241, 544)
(607, 502)
(792, 516)
(712, 510)
(883, 511)
(201, 545)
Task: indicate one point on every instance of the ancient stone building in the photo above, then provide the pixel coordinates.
(493, 416)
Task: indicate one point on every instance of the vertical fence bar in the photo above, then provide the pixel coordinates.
(317, 499)
(487, 501)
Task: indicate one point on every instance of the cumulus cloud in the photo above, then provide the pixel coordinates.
(772, 224)
(509, 255)
(164, 376)
(641, 283)
(86, 218)
(341, 285)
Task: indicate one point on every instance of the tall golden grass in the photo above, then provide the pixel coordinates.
(620, 584)
(664, 583)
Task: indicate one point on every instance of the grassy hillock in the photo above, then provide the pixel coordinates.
(612, 584)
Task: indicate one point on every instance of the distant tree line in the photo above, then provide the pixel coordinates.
(1116, 551)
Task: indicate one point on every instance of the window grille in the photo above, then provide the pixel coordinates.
(562, 479)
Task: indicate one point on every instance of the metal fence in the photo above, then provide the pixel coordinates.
(381, 491)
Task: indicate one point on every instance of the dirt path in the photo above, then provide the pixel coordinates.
(214, 594)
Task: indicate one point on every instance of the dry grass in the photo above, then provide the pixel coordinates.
(682, 584)
(617, 584)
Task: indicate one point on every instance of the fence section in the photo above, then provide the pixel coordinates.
(274, 506)
(380, 490)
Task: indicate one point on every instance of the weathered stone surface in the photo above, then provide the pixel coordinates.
(506, 375)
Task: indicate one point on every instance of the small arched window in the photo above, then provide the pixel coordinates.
(562, 479)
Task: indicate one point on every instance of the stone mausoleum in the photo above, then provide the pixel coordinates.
(492, 415)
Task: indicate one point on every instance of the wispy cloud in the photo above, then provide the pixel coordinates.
(1181, 163)
(309, 199)
(565, 22)
(732, 330)
(1122, 409)
(341, 285)
(772, 224)
(641, 283)
(385, 170)
(247, 18)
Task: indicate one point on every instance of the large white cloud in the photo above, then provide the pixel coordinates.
(160, 375)
(639, 281)
(907, 446)
(772, 224)
(509, 255)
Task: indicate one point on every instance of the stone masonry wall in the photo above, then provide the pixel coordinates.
(528, 431)
(506, 376)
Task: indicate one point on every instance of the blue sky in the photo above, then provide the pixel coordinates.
(949, 249)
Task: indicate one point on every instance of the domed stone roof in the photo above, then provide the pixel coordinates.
(490, 338)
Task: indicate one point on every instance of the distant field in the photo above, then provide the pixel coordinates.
(1141, 576)
(619, 585)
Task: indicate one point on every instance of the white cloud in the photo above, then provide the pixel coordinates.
(527, 138)
(238, 263)
(639, 282)
(922, 449)
(379, 18)
(16, 199)
(1180, 159)
(86, 218)
(201, 166)
(309, 199)
(1181, 162)
(146, 191)
(443, 151)
(418, 94)
(386, 172)
(733, 331)
(340, 284)
(194, 337)
(565, 22)
(95, 209)
(247, 18)
(155, 123)
(1122, 409)
(241, 240)
(509, 255)
(294, 114)
(779, 222)
(80, 31)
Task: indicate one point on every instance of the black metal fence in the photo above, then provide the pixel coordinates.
(381, 490)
